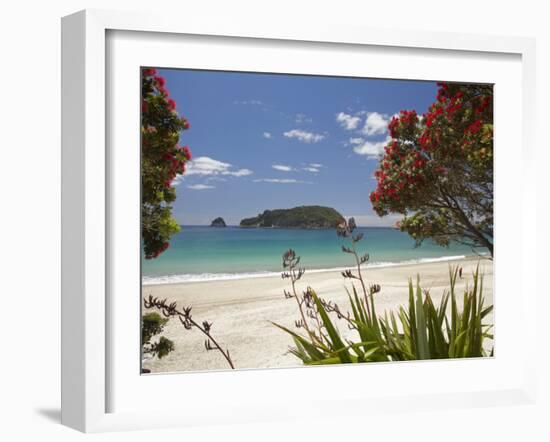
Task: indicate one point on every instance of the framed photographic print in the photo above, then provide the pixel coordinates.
(312, 200)
(250, 212)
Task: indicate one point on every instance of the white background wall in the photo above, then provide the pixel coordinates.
(30, 215)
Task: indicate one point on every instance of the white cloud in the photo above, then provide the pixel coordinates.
(200, 187)
(252, 102)
(316, 165)
(303, 136)
(240, 172)
(370, 148)
(178, 180)
(267, 135)
(282, 168)
(347, 121)
(302, 118)
(281, 181)
(207, 166)
(376, 123)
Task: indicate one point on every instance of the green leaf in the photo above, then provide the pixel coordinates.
(311, 349)
(331, 330)
(423, 350)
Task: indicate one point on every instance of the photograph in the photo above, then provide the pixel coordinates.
(304, 220)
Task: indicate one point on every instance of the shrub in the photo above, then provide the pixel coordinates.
(437, 170)
(162, 160)
(152, 324)
(418, 331)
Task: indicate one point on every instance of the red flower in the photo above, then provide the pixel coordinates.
(161, 82)
(375, 196)
(424, 140)
(393, 126)
(148, 72)
(144, 106)
(483, 103)
(407, 117)
(473, 128)
(453, 108)
(185, 123)
(187, 153)
(171, 104)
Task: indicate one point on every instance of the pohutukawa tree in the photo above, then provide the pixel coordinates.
(437, 169)
(162, 158)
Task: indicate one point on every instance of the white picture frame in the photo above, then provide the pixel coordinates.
(87, 316)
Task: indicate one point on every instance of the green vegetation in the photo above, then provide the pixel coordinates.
(437, 170)
(303, 217)
(419, 331)
(162, 160)
(152, 324)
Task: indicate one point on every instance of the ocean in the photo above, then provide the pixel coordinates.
(201, 253)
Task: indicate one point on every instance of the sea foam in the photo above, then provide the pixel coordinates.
(205, 277)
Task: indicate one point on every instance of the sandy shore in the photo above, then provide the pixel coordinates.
(242, 311)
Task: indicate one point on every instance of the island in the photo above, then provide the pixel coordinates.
(302, 217)
(218, 222)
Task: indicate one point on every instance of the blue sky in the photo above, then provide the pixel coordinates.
(279, 141)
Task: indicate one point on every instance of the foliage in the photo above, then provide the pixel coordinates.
(300, 217)
(152, 324)
(170, 310)
(437, 169)
(419, 331)
(162, 159)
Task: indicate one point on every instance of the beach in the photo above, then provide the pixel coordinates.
(242, 311)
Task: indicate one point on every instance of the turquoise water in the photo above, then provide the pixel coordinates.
(205, 253)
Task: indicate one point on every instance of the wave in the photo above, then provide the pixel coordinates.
(205, 277)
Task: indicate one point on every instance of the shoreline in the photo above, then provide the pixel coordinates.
(209, 277)
(242, 311)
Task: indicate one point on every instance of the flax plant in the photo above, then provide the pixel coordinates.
(419, 330)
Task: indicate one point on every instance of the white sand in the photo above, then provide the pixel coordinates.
(242, 311)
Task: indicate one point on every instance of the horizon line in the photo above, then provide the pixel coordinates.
(327, 228)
